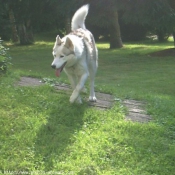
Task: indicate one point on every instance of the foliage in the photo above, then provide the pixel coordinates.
(68, 9)
(4, 58)
(128, 31)
(136, 16)
(4, 23)
(100, 13)
(157, 15)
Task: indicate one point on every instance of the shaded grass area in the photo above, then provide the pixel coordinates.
(42, 133)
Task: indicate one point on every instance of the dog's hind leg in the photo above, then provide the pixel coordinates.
(92, 96)
(92, 72)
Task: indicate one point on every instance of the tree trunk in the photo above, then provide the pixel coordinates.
(29, 31)
(161, 36)
(115, 35)
(172, 4)
(13, 25)
(174, 37)
(25, 33)
(22, 34)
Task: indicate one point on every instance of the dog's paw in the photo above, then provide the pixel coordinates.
(72, 99)
(92, 99)
(74, 96)
(78, 100)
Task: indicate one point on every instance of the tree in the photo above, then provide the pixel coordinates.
(100, 15)
(172, 4)
(19, 16)
(104, 14)
(23, 12)
(141, 16)
(4, 22)
(8, 12)
(44, 13)
(67, 10)
(13, 25)
(115, 35)
(157, 15)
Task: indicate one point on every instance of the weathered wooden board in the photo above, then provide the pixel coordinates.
(104, 101)
(29, 81)
(136, 111)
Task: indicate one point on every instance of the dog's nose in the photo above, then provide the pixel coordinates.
(53, 66)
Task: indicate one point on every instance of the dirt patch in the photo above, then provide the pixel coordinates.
(164, 53)
(136, 112)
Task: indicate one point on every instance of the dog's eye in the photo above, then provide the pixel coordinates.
(61, 56)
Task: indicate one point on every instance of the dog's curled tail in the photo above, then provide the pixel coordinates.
(78, 20)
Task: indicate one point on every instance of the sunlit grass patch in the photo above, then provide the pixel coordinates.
(140, 48)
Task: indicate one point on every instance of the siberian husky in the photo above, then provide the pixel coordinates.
(77, 54)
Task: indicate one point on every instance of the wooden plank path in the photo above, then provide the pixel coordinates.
(136, 112)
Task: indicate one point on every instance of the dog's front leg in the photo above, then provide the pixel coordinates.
(73, 82)
(78, 88)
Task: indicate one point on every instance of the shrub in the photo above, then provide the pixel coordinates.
(4, 58)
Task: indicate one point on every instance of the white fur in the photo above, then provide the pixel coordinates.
(80, 54)
(79, 18)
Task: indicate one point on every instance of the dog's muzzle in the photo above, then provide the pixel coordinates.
(53, 66)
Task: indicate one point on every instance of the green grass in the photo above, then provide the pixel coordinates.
(137, 74)
(42, 133)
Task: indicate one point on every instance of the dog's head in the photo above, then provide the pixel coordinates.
(62, 50)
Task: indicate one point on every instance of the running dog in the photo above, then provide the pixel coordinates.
(77, 54)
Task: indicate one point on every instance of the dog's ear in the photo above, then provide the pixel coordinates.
(58, 40)
(69, 44)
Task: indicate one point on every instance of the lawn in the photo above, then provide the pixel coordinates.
(41, 133)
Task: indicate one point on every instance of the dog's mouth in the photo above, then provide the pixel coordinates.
(59, 70)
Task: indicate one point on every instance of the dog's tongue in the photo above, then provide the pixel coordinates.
(57, 72)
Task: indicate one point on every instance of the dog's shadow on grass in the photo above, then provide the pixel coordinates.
(57, 133)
